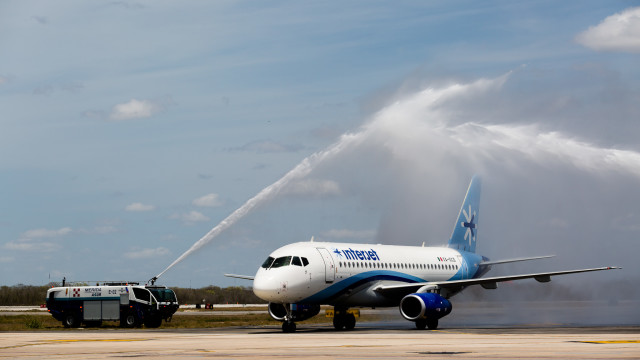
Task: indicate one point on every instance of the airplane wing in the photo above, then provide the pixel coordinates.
(246, 277)
(515, 260)
(487, 283)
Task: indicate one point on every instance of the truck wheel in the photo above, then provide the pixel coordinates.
(129, 321)
(70, 320)
(153, 322)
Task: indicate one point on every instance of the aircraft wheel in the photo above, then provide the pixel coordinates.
(288, 327)
(432, 324)
(421, 324)
(338, 322)
(349, 322)
(71, 320)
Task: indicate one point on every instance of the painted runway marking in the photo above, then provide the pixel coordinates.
(612, 342)
(45, 342)
(77, 340)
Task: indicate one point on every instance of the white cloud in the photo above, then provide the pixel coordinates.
(29, 240)
(27, 244)
(618, 32)
(349, 234)
(190, 218)
(146, 253)
(139, 207)
(45, 233)
(312, 187)
(209, 200)
(135, 109)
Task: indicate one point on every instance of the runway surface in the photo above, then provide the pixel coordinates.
(369, 341)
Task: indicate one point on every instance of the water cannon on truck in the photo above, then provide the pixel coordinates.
(128, 302)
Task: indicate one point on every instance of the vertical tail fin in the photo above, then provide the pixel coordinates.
(465, 230)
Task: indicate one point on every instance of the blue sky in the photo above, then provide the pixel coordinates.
(129, 129)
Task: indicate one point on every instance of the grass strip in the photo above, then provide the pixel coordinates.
(48, 323)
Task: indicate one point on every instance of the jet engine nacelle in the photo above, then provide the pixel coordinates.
(298, 312)
(419, 306)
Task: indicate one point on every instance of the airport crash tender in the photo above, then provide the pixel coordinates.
(132, 305)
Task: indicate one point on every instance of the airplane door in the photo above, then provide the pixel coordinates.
(464, 267)
(329, 267)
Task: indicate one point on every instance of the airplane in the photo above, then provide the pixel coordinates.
(298, 278)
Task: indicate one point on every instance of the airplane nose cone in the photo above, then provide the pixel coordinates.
(265, 286)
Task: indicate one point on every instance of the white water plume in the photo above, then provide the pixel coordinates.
(421, 124)
(298, 172)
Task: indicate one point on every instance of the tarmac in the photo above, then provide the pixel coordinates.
(527, 330)
(368, 341)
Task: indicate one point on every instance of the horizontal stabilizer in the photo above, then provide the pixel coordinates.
(515, 260)
(246, 277)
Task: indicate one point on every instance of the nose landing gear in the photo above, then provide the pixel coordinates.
(288, 325)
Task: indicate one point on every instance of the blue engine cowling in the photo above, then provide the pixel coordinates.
(424, 306)
(299, 312)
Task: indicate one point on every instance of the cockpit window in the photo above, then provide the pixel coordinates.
(296, 261)
(305, 262)
(267, 262)
(281, 261)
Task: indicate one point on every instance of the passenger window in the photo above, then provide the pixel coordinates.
(281, 261)
(296, 261)
(305, 262)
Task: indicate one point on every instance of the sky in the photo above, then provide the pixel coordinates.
(131, 129)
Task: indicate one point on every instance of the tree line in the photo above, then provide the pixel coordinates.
(29, 295)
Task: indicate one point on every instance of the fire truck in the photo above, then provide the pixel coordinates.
(132, 304)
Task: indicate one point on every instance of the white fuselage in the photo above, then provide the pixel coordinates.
(347, 274)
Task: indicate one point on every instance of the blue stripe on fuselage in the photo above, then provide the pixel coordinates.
(337, 289)
(340, 288)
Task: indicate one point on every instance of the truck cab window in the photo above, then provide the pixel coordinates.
(142, 294)
(164, 295)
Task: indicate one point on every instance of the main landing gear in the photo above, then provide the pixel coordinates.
(431, 324)
(288, 326)
(343, 320)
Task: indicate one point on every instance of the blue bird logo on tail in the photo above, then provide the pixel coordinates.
(465, 229)
(470, 233)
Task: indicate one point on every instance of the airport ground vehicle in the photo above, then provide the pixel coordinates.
(130, 303)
